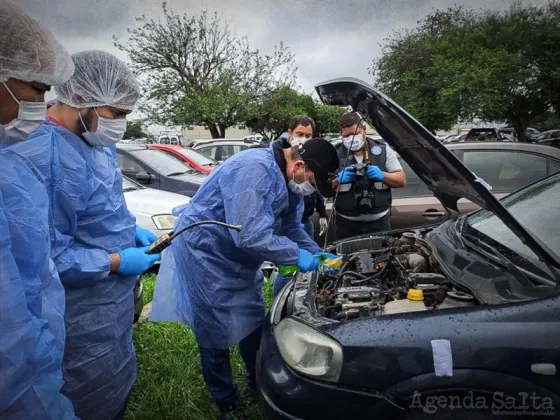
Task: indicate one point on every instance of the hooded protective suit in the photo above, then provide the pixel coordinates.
(210, 277)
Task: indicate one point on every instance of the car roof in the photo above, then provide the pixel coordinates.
(521, 147)
(131, 147)
(225, 142)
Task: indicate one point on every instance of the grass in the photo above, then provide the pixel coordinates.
(170, 384)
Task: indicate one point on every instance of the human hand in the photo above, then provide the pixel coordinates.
(375, 174)
(307, 261)
(144, 237)
(347, 175)
(135, 261)
(324, 225)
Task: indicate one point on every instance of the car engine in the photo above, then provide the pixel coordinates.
(388, 276)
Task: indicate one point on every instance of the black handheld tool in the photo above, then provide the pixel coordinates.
(165, 240)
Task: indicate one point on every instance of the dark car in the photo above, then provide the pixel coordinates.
(158, 169)
(221, 150)
(419, 324)
(483, 134)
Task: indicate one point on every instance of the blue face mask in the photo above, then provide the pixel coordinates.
(108, 131)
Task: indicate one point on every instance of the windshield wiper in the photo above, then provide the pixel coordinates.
(511, 267)
(178, 173)
(130, 189)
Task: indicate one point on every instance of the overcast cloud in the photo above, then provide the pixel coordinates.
(330, 38)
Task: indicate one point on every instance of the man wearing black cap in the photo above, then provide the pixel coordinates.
(210, 278)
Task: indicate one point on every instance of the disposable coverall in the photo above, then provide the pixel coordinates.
(30, 363)
(210, 277)
(89, 221)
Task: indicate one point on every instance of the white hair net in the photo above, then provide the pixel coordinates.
(99, 79)
(28, 52)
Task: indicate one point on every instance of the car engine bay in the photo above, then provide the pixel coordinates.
(383, 276)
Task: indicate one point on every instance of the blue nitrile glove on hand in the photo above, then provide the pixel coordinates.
(375, 174)
(307, 261)
(347, 175)
(134, 261)
(144, 237)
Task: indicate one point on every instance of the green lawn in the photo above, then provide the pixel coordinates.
(169, 384)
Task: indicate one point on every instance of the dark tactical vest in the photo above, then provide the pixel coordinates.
(346, 202)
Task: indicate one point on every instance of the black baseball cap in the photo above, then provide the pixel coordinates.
(321, 158)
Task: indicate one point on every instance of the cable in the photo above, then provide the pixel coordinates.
(329, 221)
(164, 241)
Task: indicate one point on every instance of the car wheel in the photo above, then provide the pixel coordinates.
(453, 405)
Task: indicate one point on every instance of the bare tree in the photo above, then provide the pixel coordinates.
(195, 71)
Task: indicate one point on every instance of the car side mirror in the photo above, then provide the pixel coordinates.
(145, 177)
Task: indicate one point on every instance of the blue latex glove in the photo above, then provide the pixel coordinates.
(375, 174)
(144, 237)
(134, 261)
(307, 261)
(347, 175)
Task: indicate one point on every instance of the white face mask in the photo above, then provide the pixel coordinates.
(30, 117)
(353, 142)
(296, 141)
(305, 188)
(108, 131)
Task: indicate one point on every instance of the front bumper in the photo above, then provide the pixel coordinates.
(288, 395)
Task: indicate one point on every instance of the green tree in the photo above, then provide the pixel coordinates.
(490, 65)
(272, 115)
(194, 71)
(134, 130)
(327, 119)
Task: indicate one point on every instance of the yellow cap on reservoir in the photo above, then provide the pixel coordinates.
(415, 294)
(332, 262)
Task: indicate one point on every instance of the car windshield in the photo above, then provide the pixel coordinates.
(162, 162)
(536, 208)
(128, 185)
(197, 157)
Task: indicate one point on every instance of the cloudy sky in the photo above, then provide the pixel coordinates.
(330, 38)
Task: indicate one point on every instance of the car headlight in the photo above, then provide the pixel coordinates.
(164, 221)
(309, 351)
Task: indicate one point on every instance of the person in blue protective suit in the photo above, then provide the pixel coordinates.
(96, 246)
(31, 296)
(210, 278)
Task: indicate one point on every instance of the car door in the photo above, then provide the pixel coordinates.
(414, 205)
(137, 171)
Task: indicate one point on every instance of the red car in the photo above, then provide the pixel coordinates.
(190, 156)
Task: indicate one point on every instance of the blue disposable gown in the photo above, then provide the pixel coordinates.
(210, 277)
(89, 220)
(30, 361)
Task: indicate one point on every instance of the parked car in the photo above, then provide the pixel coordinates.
(158, 169)
(152, 208)
(547, 135)
(191, 157)
(550, 142)
(506, 167)
(483, 134)
(174, 139)
(465, 309)
(220, 150)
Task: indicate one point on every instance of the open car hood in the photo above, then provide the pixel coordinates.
(447, 177)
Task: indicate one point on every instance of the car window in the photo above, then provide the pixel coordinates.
(209, 151)
(229, 150)
(506, 171)
(553, 166)
(161, 161)
(127, 165)
(414, 185)
(536, 208)
(128, 185)
(196, 157)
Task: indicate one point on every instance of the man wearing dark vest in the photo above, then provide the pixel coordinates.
(364, 199)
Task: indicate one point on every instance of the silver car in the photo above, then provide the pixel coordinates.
(152, 208)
